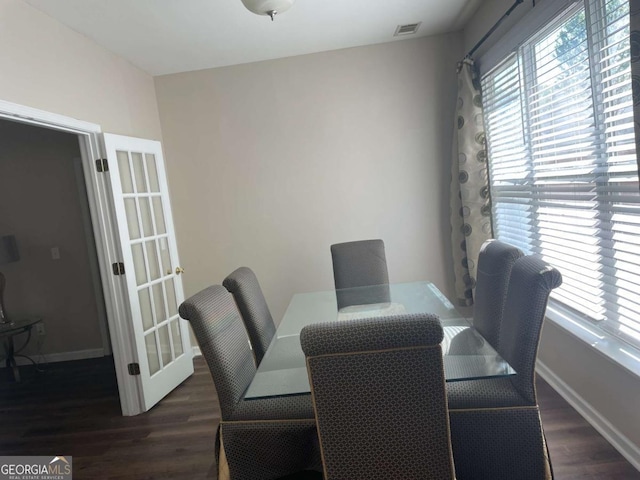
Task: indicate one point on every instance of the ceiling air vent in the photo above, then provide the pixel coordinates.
(408, 29)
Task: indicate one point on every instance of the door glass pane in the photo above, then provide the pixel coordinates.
(138, 171)
(125, 172)
(177, 337)
(165, 344)
(152, 172)
(145, 213)
(132, 218)
(164, 255)
(152, 352)
(171, 298)
(152, 258)
(158, 213)
(158, 302)
(145, 309)
(138, 263)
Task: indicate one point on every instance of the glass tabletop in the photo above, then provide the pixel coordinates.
(18, 324)
(467, 355)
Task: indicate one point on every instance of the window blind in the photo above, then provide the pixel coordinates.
(562, 162)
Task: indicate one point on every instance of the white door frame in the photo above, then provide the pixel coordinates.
(94, 263)
(106, 237)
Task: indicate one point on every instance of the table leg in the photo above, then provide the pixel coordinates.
(16, 372)
(11, 359)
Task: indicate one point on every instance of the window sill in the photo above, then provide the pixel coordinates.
(610, 347)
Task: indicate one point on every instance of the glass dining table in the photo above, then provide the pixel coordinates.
(8, 331)
(467, 355)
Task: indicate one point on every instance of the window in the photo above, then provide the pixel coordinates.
(562, 161)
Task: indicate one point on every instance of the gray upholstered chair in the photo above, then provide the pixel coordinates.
(379, 398)
(244, 286)
(495, 262)
(258, 439)
(358, 264)
(495, 424)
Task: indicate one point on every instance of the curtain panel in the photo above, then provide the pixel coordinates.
(469, 194)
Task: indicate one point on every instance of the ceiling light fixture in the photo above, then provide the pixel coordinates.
(268, 7)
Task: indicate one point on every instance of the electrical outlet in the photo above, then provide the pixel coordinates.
(40, 329)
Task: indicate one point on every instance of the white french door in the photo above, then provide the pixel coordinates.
(150, 265)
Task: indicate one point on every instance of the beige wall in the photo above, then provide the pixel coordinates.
(46, 65)
(272, 162)
(487, 15)
(603, 384)
(40, 205)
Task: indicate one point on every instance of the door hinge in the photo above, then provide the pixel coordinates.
(134, 368)
(118, 268)
(102, 165)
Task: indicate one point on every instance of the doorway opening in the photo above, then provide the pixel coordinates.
(130, 217)
(44, 205)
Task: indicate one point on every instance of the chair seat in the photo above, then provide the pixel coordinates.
(499, 444)
(268, 450)
(294, 407)
(489, 393)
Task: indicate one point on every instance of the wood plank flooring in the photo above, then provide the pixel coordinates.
(72, 408)
(577, 449)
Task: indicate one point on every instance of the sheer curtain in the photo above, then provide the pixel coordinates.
(634, 7)
(470, 199)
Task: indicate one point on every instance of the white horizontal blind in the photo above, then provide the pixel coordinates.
(504, 127)
(563, 170)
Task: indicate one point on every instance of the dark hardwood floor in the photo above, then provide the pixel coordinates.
(577, 449)
(73, 409)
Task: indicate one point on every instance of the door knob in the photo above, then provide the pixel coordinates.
(179, 270)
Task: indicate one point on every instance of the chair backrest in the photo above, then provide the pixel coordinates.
(244, 286)
(358, 264)
(531, 282)
(495, 262)
(379, 397)
(223, 341)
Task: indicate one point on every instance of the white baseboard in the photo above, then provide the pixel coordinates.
(617, 439)
(60, 357)
(196, 351)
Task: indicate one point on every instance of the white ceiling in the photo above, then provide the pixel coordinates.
(169, 36)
